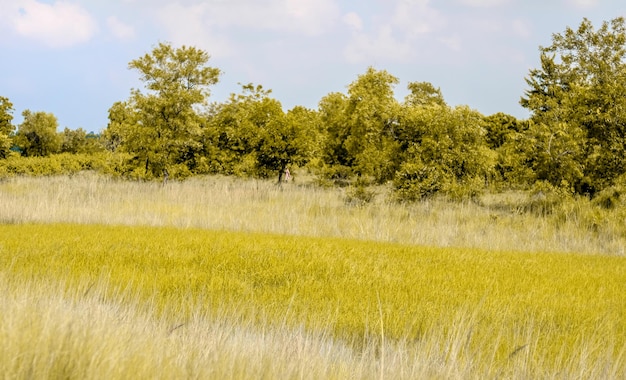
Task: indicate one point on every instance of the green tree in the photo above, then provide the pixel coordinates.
(162, 127)
(258, 137)
(37, 134)
(424, 94)
(79, 141)
(122, 123)
(290, 141)
(443, 151)
(6, 126)
(578, 104)
(359, 127)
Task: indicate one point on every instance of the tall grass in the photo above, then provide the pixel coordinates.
(403, 311)
(228, 278)
(495, 222)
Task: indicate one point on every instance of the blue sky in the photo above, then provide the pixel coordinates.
(71, 57)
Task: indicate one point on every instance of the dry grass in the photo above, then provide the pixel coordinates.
(83, 301)
(220, 203)
(405, 311)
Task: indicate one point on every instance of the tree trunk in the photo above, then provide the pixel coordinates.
(280, 176)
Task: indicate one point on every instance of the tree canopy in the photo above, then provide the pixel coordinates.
(37, 134)
(6, 126)
(578, 103)
(162, 127)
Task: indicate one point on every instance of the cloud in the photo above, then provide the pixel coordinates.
(308, 17)
(484, 3)
(398, 36)
(119, 29)
(582, 4)
(381, 46)
(521, 29)
(57, 25)
(353, 20)
(188, 25)
(208, 23)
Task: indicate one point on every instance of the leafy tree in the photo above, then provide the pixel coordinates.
(424, 94)
(256, 137)
(499, 128)
(37, 134)
(291, 141)
(162, 127)
(332, 110)
(444, 150)
(79, 141)
(359, 127)
(122, 122)
(578, 103)
(6, 128)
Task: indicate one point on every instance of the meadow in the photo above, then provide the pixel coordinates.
(230, 278)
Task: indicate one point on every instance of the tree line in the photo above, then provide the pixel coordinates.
(574, 141)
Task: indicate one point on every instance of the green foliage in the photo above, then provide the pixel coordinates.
(444, 150)
(162, 127)
(424, 94)
(256, 137)
(578, 100)
(6, 128)
(416, 181)
(79, 141)
(499, 128)
(359, 126)
(37, 134)
(56, 164)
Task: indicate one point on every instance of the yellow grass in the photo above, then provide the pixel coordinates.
(227, 278)
(220, 203)
(409, 311)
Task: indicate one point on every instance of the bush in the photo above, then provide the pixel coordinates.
(64, 163)
(416, 181)
(545, 198)
(359, 195)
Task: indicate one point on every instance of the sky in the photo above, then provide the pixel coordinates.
(70, 57)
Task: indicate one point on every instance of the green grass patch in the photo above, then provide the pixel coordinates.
(502, 306)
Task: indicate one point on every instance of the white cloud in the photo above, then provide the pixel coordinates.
(188, 26)
(381, 47)
(397, 37)
(308, 17)
(353, 20)
(417, 18)
(207, 23)
(59, 24)
(582, 4)
(119, 29)
(452, 42)
(521, 29)
(483, 3)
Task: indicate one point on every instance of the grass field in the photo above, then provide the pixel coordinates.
(109, 279)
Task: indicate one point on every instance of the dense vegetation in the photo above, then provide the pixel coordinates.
(573, 143)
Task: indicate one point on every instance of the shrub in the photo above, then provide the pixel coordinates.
(416, 181)
(359, 195)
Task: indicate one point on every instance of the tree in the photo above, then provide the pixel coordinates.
(423, 94)
(37, 134)
(162, 127)
(6, 126)
(359, 127)
(257, 137)
(79, 141)
(290, 141)
(443, 150)
(578, 101)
